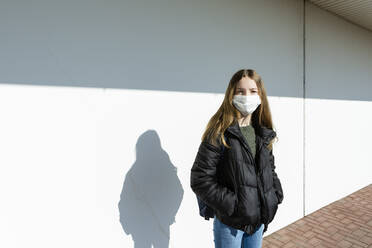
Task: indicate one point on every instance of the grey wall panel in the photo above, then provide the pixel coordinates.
(338, 57)
(176, 45)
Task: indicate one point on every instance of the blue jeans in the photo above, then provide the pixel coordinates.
(229, 237)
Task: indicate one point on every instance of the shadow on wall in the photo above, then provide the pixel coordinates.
(151, 194)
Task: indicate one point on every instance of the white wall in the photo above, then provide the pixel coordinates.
(338, 108)
(103, 106)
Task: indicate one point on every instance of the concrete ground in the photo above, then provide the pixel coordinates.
(344, 223)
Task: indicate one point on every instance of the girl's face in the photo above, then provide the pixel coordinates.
(246, 86)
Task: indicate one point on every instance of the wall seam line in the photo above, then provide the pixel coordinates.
(304, 105)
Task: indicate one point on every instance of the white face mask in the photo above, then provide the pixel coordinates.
(246, 104)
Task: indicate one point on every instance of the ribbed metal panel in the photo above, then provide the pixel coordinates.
(356, 11)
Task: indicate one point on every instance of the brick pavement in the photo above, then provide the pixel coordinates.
(344, 223)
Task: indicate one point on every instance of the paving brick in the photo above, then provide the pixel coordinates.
(283, 238)
(309, 234)
(352, 226)
(282, 231)
(326, 239)
(366, 218)
(268, 244)
(304, 228)
(289, 245)
(300, 243)
(356, 242)
(337, 236)
(366, 240)
(314, 241)
(346, 221)
(300, 222)
(321, 219)
(344, 244)
(359, 233)
(331, 230)
(276, 242)
(369, 223)
(326, 224)
(295, 236)
(323, 244)
(356, 246)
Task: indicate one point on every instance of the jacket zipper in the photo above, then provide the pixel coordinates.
(259, 175)
(263, 193)
(260, 181)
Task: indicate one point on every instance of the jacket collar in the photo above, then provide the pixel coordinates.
(264, 133)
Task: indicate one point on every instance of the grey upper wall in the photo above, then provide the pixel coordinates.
(338, 57)
(192, 46)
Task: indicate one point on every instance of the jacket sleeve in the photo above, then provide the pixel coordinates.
(277, 183)
(204, 180)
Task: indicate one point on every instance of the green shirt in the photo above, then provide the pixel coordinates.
(250, 137)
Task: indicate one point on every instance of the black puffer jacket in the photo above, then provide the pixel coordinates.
(243, 192)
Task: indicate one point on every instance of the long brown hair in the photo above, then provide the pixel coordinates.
(227, 113)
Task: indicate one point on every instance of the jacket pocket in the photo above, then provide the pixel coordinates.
(272, 203)
(248, 203)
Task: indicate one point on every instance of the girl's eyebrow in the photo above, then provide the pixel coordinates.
(243, 88)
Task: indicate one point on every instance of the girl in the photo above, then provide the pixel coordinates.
(233, 175)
